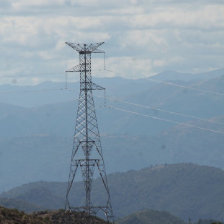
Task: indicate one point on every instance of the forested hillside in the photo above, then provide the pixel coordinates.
(184, 190)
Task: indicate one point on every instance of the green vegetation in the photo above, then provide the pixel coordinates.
(184, 190)
(13, 216)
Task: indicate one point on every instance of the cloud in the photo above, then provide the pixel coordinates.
(142, 37)
(20, 5)
(207, 17)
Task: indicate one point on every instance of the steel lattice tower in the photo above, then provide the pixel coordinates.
(87, 137)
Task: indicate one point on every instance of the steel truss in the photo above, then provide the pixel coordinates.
(87, 137)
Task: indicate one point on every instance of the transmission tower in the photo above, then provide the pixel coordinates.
(87, 138)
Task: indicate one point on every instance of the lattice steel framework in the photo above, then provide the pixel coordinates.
(87, 137)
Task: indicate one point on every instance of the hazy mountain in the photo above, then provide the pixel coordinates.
(173, 75)
(185, 190)
(48, 157)
(19, 204)
(51, 92)
(175, 104)
(150, 217)
(36, 131)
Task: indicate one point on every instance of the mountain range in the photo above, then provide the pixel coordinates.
(184, 190)
(156, 123)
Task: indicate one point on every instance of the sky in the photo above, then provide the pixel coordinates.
(142, 37)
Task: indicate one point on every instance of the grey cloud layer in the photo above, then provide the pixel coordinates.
(145, 37)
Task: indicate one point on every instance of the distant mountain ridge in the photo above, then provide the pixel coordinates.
(49, 156)
(179, 76)
(57, 92)
(37, 125)
(185, 190)
(19, 204)
(37, 141)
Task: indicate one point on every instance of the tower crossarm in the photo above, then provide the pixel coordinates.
(86, 48)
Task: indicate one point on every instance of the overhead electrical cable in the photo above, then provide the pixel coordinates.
(166, 120)
(115, 99)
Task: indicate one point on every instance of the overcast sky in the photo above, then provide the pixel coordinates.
(142, 37)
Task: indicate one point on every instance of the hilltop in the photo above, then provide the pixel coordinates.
(13, 216)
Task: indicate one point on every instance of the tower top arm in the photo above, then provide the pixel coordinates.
(91, 48)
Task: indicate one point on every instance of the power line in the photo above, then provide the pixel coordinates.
(162, 110)
(146, 106)
(166, 120)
